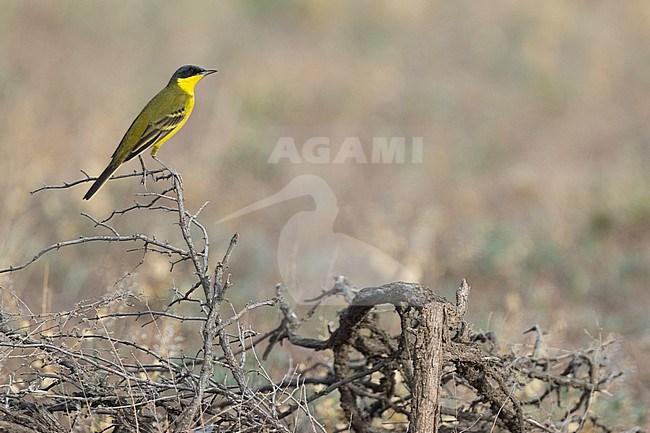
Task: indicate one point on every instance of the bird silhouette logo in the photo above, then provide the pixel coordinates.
(310, 254)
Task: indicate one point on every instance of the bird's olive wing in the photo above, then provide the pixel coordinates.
(157, 130)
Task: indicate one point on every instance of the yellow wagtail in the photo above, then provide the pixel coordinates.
(158, 121)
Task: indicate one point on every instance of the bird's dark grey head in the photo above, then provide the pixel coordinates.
(191, 71)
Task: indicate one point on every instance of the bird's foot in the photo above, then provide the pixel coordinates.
(145, 173)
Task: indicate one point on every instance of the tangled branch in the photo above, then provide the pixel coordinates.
(88, 367)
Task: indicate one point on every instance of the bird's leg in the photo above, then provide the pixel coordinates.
(143, 181)
(173, 172)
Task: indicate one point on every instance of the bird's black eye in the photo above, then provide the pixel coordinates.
(191, 71)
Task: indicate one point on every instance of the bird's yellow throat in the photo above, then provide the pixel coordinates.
(188, 84)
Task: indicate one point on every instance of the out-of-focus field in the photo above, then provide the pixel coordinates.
(534, 185)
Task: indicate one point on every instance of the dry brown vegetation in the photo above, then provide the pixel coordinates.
(534, 185)
(116, 364)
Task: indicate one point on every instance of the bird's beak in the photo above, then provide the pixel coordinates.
(209, 71)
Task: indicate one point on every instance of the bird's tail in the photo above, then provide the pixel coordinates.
(101, 180)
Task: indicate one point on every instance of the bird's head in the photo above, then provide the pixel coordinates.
(187, 76)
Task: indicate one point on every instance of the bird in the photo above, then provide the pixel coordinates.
(158, 121)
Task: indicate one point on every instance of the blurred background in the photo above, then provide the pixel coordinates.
(534, 181)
